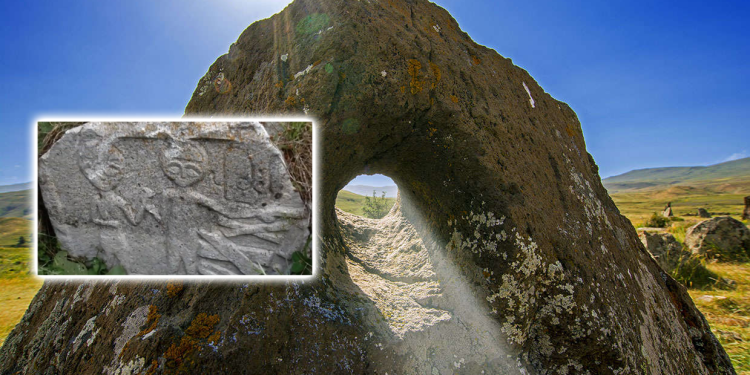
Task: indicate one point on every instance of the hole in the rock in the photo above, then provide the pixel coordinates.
(370, 196)
(416, 295)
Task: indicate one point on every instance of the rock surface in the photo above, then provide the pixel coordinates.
(664, 248)
(494, 178)
(703, 213)
(174, 198)
(668, 211)
(722, 238)
(746, 211)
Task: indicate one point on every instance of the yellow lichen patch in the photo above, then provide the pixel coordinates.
(454, 99)
(413, 69)
(202, 325)
(475, 60)
(279, 84)
(152, 319)
(431, 132)
(290, 101)
(317, 63)
(174, 288)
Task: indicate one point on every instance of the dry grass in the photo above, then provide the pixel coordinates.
(17, 286)
(728, 312)
(295, 142)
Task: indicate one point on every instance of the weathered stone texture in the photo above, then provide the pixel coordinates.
(174, 198)
(495, 179)
(722, 238)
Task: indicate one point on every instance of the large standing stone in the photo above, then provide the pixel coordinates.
(495, 179)
(664, 248)
(174, 198)
(722, 238)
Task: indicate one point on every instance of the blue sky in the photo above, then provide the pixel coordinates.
(653, 84)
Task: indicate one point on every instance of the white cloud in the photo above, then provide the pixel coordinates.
(737, 155)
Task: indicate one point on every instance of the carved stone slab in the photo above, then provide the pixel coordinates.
(191, 198)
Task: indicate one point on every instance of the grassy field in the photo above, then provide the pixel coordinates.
(352, 203)
(727, 311)
(639, 205)
(12, 228)
(17, 287)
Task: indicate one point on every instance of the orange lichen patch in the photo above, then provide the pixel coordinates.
(342, 75)
(152, 369)
(403, 89)
(475, 60)
(436, 73)
(413, 69)
(174, 288)
(279, 84)
(431, 132)
(152, 319)
(202, 325)
(454, 99)
(214, 338)
(317, 63)
(290, 101)
(177, 355)
(570, 130)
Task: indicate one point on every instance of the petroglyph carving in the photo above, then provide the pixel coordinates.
(174, 198)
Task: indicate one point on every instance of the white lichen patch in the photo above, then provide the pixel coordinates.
(383, 74)
(531, 100)
(436, 27)
(133, 367)
(87, 333)
(284, 57)
(478, 243)
(303, 72)
(592, 206)
(131, 327)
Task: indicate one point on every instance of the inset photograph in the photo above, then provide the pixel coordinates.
(190, 198)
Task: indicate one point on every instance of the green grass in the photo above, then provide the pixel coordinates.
(17, 287)
(353, 203)
(11, 228)
(16, 204)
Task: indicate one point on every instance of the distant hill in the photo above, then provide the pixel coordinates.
(390, 191)
(16, 204)
(16, 187)
(353, 203)
(729, 177)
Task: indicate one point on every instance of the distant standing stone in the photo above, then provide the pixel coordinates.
(174, 198)
(746, 212)
(722, 238)
(668, 210)
(703, 213)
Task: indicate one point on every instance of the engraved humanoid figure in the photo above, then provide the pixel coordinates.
(194, 245)
(109, 210)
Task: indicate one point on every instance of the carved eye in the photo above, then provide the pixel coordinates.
(174, 168)
(191, 171)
